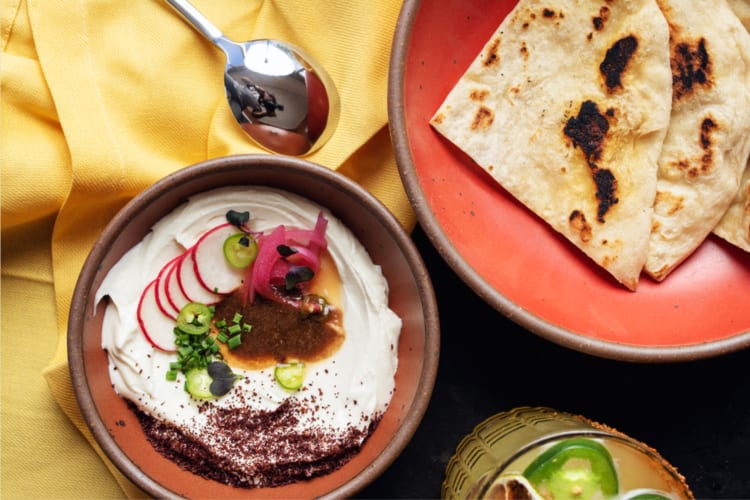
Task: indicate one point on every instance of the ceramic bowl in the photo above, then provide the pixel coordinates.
(116, 427)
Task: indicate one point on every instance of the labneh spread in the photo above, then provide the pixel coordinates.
(258, 432)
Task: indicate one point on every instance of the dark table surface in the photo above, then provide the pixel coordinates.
(696, 414)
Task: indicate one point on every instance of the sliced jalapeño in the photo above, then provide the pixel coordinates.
(240, 250)
(574, 468)
(194, 318)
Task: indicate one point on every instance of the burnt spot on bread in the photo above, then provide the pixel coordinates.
(479, 95)
(600, 20)
(524, 50)
(606, 191)
(588, 131)
(668, 204)
(616, 61)
(548, 13)
(492, 57)
(483, 118)
(708, 125)
(579, 225)
(528, 16)
(691, 67)
(696, 167)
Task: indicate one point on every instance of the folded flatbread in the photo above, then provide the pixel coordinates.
(566, 107)
(734, 226)
(741, 9)
(707, 145)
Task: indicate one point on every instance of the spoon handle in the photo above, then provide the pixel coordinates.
(197, 20)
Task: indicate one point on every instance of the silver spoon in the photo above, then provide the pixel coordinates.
(278, 94)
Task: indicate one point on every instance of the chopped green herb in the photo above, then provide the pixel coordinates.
(234, 342)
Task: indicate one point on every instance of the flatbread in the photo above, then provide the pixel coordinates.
(741, 9)
(566, 107)
(707, 145)
(734, 226)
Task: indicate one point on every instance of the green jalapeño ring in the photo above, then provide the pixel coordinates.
(541, 453)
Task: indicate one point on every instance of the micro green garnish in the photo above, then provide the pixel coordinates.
(223, 378)
(285, 250)
(231, 333)
(296, 275)
(238, 219)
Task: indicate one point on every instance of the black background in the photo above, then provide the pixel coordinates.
(696, 414)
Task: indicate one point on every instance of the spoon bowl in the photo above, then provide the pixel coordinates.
(279, 95)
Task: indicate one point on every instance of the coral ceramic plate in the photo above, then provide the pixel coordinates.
(511, 258)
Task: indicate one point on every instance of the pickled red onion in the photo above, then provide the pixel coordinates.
(271, 267)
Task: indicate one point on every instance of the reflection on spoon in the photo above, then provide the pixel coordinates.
(280, 97)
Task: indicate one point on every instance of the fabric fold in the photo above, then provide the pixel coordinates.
(103, 98)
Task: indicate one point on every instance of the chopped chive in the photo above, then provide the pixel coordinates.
(172, 375)
(247, 327)
(234, 329)
(234, 342)
(221, 323)
(222, 337)
(237, 317)
(185, 350)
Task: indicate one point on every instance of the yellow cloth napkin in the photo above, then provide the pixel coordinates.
(101, 98)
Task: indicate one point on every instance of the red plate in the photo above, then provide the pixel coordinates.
(510, 257)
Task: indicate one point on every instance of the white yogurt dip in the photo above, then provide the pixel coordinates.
(343, 395)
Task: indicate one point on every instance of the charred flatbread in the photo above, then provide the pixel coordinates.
(566, 107)
(707, 145)
(734, 226)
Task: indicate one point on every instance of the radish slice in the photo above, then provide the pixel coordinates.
(155, 325)
(162, 295)
(190, 286)
(211, 267)
(175, 297)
